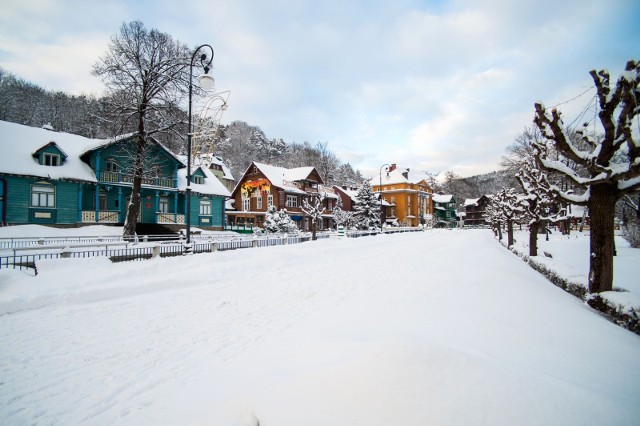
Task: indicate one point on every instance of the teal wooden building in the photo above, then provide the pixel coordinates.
(55, 178)
(444, 209)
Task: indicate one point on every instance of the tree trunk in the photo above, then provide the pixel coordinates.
(133, 209)
(533, 238)
(602, 212)
(499, 226)
(509, 233)
(313, 230)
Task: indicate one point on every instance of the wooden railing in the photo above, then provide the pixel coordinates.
(117, 177)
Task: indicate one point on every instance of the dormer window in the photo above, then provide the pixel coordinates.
(197, 179)
(50, 155)
(51, 159)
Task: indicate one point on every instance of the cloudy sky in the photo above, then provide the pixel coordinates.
(432, 85)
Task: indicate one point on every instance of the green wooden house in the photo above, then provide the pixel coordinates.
(48, 177)
(444, 209)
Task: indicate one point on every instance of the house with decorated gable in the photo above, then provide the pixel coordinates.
(444, 207)
(54, 178)
(406, 196)
(474, 211)
(218, 168)
(264, 185)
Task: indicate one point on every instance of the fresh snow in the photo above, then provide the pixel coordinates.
(439, 327)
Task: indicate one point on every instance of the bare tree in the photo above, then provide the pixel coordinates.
(145, 72)
(313, 207)
(610, 165)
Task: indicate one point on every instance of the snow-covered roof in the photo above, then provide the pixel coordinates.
(18, 143)
(211, 185)
(396, 176)
(438, 198)
(349, 193)
(279, 175)
(208, 159)
(471, 202)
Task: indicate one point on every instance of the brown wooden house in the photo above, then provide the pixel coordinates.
(263, 185)
(475, 210)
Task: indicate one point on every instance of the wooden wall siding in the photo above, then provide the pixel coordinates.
(122, 154)
(18, 201)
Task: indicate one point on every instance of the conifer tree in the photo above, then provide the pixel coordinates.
(367, 210)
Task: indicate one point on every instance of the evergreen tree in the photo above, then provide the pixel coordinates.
(367, 210)
(340, 216)
(279, 222)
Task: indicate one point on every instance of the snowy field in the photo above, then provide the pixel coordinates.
(431, 328)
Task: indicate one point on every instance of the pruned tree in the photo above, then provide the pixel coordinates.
(610, 164)
(506, 205)
(314, 209)
(367, 209)
(340, 216)
(145, 73)
(539, 202)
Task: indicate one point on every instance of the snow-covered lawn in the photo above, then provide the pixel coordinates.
(431, 328)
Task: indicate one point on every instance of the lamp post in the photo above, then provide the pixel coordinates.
(380, 190)
(206, 82)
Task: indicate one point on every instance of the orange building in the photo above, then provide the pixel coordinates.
(408, 195)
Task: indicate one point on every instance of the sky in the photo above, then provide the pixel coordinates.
(430, 85)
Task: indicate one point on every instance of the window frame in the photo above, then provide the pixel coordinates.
(54, 160)
(204, 207)
(292, 201)
(40, 190)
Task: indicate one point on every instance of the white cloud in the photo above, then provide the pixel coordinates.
(443, 85)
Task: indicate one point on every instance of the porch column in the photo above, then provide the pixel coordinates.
(175, 207)
(157, 205)
(97, 201)
(120, 218)
(80, 202)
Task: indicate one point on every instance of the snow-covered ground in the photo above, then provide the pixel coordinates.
(440, 327)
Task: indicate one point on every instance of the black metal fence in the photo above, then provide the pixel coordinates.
(167, 249)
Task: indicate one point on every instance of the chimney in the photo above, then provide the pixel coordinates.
(393, 167)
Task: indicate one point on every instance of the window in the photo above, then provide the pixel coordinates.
(197, 179)
(269, 200)
(43, 196)
(111, 165)
(50, 159)
(259, 202)
(246, 204)
(205, 207)
(292, 201)
(163, 205)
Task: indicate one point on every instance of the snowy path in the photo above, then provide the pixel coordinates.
(428, 328)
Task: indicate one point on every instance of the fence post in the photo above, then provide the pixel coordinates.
(214, 247)
(285, 240)
(155, 252)
(254, 242)
(66, 253)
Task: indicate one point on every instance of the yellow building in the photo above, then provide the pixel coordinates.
(408, 195)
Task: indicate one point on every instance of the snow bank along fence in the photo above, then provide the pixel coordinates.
(112, 247)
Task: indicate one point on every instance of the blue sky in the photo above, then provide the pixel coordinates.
(431, 85)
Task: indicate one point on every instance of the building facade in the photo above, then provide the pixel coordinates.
(62, 179)
(406, 195)
(444, 207)
(263, 185)
(474, 211)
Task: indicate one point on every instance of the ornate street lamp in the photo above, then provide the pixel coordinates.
(206, 82)
(380, 190)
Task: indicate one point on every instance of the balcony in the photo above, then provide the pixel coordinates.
(104, 216)
(117, 177)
